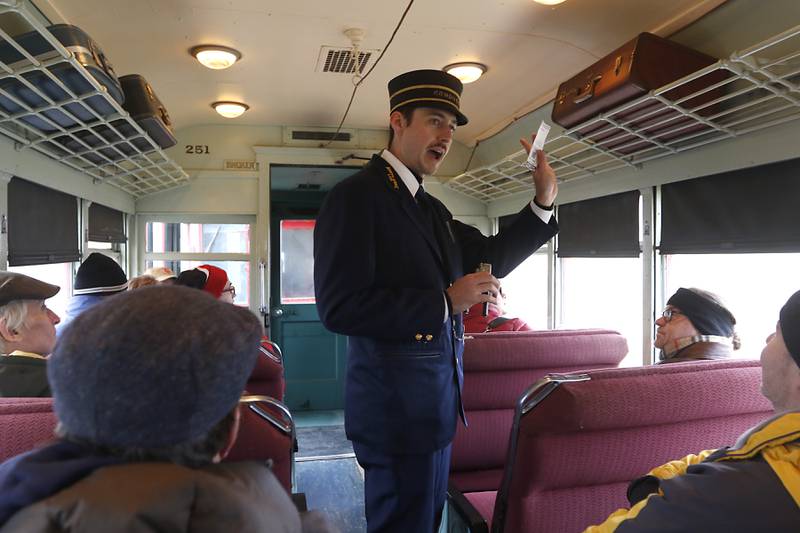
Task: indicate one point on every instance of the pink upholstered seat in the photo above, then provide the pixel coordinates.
(25, 423)
(576, 445)
(498, 367)
(267, 377)
(266, 432)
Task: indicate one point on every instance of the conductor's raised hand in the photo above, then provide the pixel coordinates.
(471, 289)
(544, 177)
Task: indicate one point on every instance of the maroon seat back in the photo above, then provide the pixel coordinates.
(25, 423)
(576, 445)
(266, 432)
(267, 377)
(498, 368)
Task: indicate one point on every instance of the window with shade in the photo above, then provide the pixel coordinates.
(599, 254)
(736, 234)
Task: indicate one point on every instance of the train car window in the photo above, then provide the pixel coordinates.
(185, 242)
(598, 258)
(751, 285)
(60, 274)
(526, 291)
(198, 238)
(736, 234)
(603, 292)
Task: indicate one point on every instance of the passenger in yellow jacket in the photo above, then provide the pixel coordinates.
(753, 485)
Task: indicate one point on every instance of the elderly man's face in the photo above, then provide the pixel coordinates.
(38, 333)
(672, 328)
(780, 375)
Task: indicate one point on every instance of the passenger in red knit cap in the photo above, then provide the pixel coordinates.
(211, 279)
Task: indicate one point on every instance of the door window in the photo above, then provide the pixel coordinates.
(297, 262)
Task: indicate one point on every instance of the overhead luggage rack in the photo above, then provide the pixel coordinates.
(759, 88)
(109, 147)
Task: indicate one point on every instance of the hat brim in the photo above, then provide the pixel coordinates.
(22, 287)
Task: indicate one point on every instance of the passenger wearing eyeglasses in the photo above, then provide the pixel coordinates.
(694, 326)
(211, 279)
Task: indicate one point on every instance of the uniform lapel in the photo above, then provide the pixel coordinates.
(446, 239)
(394, 183)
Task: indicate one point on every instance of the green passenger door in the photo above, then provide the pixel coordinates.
(314, 358)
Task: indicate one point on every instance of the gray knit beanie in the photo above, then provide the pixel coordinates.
(152, 368)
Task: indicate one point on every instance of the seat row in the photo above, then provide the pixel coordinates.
(547, 451)
(266, 432)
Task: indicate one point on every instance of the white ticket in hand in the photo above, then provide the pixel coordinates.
(538, 144)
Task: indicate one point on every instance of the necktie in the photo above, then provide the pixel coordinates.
(424, 204)
(436, 226)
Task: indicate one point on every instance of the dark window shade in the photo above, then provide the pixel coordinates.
(748, 210)
(600, 227)
(42, 225)
(106, 224)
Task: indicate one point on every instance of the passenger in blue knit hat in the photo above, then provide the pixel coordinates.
(98, 277)
(695, 325)
(146, 390)
(752, 485)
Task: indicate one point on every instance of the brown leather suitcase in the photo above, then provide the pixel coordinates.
(647, 62)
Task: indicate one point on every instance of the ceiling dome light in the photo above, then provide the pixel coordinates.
(548, 2)
(466, 72)
(230, 109)
(215, 57)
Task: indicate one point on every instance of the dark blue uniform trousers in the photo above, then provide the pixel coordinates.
(403, 493)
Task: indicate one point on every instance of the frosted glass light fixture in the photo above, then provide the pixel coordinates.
(230, 109)
(466, 72)
(215, 57)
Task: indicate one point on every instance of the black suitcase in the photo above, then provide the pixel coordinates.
(86, 51)
(147, 110)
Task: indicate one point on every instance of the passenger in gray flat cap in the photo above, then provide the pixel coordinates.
(27, 335)
(146, 388)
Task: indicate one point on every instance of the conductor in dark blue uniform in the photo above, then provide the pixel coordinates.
(394, 272)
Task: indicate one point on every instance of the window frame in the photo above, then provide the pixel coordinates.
(172, 218)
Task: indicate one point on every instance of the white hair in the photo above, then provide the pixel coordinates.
(14, 314)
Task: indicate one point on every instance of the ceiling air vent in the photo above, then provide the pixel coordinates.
(342, 60)
(300, 135)
(307, 136)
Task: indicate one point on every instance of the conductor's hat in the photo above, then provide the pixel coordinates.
(427, 88)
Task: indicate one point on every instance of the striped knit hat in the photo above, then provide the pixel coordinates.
(100, 275)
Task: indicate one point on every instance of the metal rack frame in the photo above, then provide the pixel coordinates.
(754, 89)
(139, 170)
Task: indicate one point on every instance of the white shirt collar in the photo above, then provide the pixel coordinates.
(406, 175)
